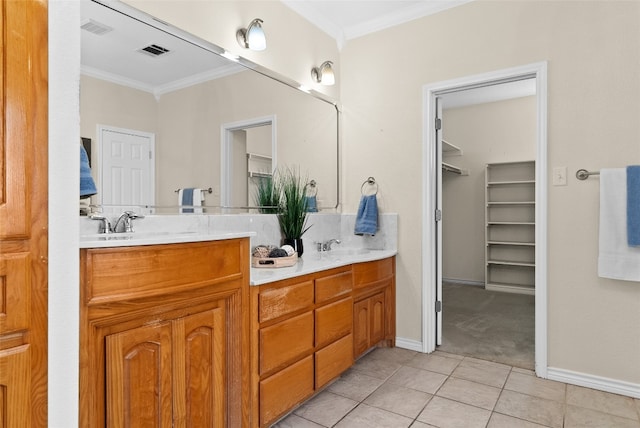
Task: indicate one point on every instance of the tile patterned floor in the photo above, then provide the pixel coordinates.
(396, 388)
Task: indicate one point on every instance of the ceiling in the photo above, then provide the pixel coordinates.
(186, 64)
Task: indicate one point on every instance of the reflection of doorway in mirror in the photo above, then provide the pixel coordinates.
(251, 161)
(127, 170)
(247, 158)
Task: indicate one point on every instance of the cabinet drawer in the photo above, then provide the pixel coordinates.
(370, 272)
(333, 286)
(115, 274)
(285, 389)
(285, 341)
(334, 321)
(334, 359)
(276, 302)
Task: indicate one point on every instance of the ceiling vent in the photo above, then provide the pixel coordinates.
(154, 50)
(95, 27)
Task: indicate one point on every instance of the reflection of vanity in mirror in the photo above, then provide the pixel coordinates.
(166, 112)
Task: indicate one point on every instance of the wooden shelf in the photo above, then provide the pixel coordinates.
(511, 263)
(503, 203)
(449, 149)
(509, 210)
(507, 183)
(523, 244)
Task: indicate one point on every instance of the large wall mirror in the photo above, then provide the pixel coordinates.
(165, 111)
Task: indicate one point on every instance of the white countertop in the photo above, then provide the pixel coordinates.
(102, 240)
(316, 262)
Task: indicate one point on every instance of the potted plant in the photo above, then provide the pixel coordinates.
(267, 196)
(292, 210)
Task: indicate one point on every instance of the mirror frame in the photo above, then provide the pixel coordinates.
(250, 65)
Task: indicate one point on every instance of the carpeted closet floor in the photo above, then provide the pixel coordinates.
(488, 325)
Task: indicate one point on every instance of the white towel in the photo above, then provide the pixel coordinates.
(197, 197)
(616, 259)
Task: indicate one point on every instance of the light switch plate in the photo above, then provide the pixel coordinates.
(559, 176)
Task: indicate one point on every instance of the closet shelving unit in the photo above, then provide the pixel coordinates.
(258, 165)
(449, 149)
(510, 227)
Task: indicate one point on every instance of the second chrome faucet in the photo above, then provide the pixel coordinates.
(326, 245)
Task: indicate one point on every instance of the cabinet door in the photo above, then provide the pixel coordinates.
(360, 327)
(376, 318)
(199, 344)
(138, 364)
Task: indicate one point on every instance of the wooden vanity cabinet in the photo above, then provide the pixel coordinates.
(302, 339)
(374, 305)
(164, 338)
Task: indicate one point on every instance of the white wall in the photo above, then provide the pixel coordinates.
(592, 50)
(503, 131)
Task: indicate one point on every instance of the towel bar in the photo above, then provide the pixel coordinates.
(209, 190)
(583, 174)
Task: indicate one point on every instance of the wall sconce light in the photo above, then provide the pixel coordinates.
(253, 36)
(324, 74)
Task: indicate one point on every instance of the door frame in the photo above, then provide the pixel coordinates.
(430, 191)
(226, 137)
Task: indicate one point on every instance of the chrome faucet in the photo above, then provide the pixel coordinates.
(127, 218)
(326, 245)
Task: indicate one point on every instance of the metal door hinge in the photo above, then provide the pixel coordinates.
(438, 215)
(438, 305)
(438, 124)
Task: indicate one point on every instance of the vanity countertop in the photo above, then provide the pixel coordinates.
(101, 240)
(318, 261)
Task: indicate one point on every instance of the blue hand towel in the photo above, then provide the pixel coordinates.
(312, 204)
(87, 185)
(187, 199)
(367, 216)
(633, 205)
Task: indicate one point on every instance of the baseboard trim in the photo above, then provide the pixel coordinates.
(410, 344)
(595, 382)
(464, 282)
(511, 289)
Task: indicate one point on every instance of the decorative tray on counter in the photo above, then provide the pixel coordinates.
(274, 262)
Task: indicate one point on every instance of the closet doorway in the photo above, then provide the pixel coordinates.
(488, 223)
(455, 237)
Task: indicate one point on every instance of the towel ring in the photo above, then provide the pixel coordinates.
(371, 182)
(312, 186)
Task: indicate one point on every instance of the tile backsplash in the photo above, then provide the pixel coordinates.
(323, 227)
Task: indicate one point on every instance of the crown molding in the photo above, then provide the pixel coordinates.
(159, 90)
(397, 17)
